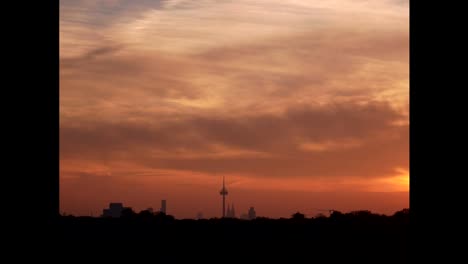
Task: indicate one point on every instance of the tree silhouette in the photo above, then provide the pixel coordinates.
(336, 214)
(371, 235)
(145, 214)
(320, 215)
(298, 216)
(402, 213)
(127, 213)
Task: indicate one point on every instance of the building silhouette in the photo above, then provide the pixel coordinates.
(224, 192)
(114, 210)
(199, 215)
(163, 206)
(231, 213)
(252, 213)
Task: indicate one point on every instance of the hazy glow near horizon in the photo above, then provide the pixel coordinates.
(286, 98)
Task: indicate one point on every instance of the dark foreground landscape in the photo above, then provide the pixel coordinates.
(355, 236)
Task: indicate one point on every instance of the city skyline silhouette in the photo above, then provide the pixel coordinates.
(225, 213)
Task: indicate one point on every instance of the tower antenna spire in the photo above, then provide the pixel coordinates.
(224, 192)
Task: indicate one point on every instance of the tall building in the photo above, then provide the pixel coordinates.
(163, 206)
(252, 213)
(199, 215)
(224, 192)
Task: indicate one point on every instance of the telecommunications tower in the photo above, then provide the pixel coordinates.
(224, 192)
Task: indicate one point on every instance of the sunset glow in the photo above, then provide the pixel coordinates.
(300, 104)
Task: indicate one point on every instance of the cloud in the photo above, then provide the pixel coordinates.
(88, 57)
(268, 76)
(329, 145)
(282, 95)
(263, 146)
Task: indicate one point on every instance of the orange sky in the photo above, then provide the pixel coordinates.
(300, 104)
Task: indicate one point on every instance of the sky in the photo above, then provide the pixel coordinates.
(301, 105)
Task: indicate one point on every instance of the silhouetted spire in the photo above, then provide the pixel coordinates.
(252, 214)
(224, 192)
